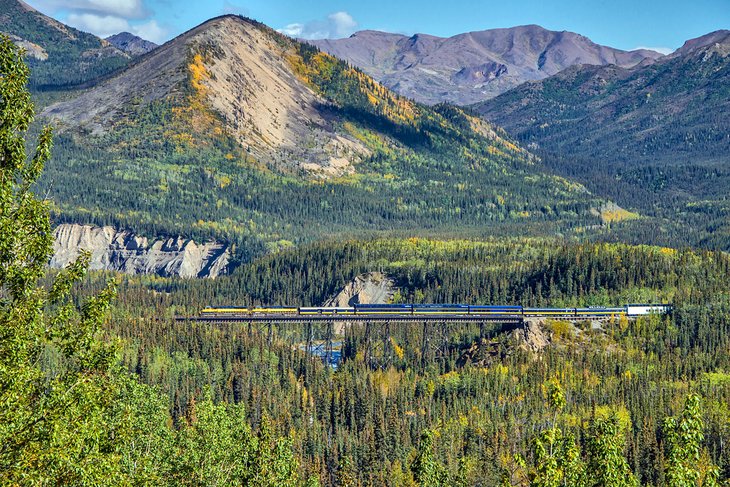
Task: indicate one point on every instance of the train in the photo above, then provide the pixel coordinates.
(629, 310)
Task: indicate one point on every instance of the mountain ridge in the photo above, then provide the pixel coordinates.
(471, 66)
(61, 56)
(235, 132)
(718, 36)
(653, 137)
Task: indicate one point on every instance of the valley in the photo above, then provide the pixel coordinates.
(245, 255)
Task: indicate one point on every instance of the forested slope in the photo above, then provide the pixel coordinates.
(236, 132)
(653, 138)
(59, 55)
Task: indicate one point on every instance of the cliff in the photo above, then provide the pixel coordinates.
(124, 251)
(370, 288)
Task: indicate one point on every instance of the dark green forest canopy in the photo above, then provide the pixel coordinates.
(483, 400)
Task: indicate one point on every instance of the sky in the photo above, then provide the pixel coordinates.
(663, 25)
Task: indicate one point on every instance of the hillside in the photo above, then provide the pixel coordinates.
(654, 137)
(58, 55)
(131, 44)
(474, 66)
(235, 132)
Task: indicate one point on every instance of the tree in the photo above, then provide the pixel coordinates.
(426, 468)
(557, 456)
(687, 464)
(607, 465)
(53, 426)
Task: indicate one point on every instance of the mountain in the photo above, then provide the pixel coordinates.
(235, 133)
(58, 55)
(654, 137)
(471, 67)
(718, 36)
(131, 44)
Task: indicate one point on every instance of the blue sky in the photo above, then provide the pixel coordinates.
(625, 24)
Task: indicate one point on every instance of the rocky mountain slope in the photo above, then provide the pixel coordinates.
(652, 137)
(236, 133)
(474, 66)
(718, 36)
(242, 75)
(58, 55)
(124, 251)
(369, 288)
(131, 44)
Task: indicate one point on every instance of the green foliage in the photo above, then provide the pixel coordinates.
(557, 456)
(606, 460)
(52, 423)
(68, 414)
(557, 460)
(426, 469)
(687, 463)
(215, 446)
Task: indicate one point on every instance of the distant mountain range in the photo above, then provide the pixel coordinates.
(237, 133)
(131, 44)
(59, 55)
(472, 67)
(655, 136)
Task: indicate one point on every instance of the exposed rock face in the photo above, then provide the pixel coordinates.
(474, 66)
(31, 49)
(245, 75)
(532, 336)
(371, 288)
(716, 37)
(126, 252)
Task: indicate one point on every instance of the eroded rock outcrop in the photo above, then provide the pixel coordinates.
(370, 288)
(532, 336)
(124, 251)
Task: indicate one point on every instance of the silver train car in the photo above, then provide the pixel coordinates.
(630, 310)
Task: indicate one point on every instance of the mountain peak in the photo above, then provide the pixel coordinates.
(717, 37)
(131, 44)
(229, 77)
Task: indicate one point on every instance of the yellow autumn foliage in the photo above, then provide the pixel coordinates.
(617, 214)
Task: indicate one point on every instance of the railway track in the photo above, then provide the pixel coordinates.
(506, 319)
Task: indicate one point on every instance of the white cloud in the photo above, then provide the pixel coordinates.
(660, 50)
(106, 25)
(337, 24)
(343, 24)
(101, 25)
(233, 8)
(150, 31)
(128, 9)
